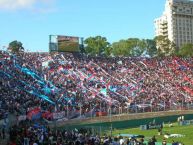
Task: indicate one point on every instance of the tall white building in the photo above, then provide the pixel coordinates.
(176, 23)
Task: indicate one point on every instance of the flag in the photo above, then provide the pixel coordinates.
(104, 91)
(45, 64)
(60, 68)
(188, 79)
(91, 77)
(188, 90)
(113, 88)
(34, 114)
(120, 62)
(143, 64)
(123, 70)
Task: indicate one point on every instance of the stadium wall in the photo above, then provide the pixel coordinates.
(122, 124)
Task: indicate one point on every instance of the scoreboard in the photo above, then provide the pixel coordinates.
(60, 43)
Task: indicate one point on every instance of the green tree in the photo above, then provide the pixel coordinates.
(164, 46)
(151, 49)
(121, 48)
(129, 47)
(137, 46)
(97, 45)
(186, 50)
(16, 47)
(108, 51)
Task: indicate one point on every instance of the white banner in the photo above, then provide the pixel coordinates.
(58, 115)
(22, 117)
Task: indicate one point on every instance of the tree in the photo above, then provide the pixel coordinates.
(129, 47)
(164, 46)
(151, 49)
(16, 47)
(97, 45)
(186, 50)
(137, 46)
(121, 48)
(108, 51)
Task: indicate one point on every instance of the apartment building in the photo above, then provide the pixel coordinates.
(176, 23)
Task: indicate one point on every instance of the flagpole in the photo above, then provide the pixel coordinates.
(119, 111)
(143, 106)
(100, 110)
(110, 114)
(80, 110)
(67, 111)
(91, 111)
(170, 104)
(111, 119)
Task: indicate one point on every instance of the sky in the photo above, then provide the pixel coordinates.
(32, 21)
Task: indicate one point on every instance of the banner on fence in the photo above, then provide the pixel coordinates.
(34, 114)
(21, 118)
(101, 113)
(47, 115)
(59, 115)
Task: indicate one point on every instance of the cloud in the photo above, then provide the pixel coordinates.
(12, 5)
(16, 4)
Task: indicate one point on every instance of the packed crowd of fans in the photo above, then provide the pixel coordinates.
(42, 135)
(77, 83)
(27, 133)
(80, 85)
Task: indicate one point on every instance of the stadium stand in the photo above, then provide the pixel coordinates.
(67, 86)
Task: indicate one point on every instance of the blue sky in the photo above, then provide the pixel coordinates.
(32, 21)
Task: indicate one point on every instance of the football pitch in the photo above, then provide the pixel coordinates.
(129, 124)
(187, 131)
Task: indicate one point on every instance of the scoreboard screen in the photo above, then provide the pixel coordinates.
(68, 44)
